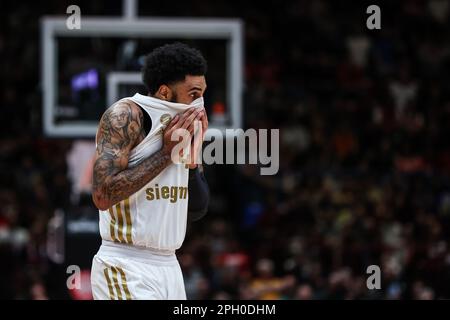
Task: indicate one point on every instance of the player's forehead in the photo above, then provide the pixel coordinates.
(194, 82)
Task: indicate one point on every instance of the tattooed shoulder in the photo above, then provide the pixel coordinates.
(119, 131)
(120, 126)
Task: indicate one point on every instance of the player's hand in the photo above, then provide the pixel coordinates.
(199, 127)
(180, 121)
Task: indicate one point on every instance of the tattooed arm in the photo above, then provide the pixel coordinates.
(120, 130)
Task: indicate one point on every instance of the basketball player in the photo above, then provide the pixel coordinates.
(145, 198)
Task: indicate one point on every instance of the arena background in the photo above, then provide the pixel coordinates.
(365, 158)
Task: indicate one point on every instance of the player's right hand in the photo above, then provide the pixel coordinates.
(180, 121)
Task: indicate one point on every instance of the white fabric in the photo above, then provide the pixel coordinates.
(156, 215)
(155, 109)
(120, 272)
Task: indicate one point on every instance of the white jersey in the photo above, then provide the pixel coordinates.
(155, 216)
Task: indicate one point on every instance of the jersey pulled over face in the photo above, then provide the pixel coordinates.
(156, 215)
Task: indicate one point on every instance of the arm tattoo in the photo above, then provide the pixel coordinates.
(121, 127)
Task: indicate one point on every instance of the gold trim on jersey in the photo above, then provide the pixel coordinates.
(128, 220)
(120, 215)
(124, 283)
(108, 280)
(117, 286)
(116, 283)
(112, 223)
(120, 220)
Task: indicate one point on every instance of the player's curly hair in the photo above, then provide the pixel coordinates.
(171, 63)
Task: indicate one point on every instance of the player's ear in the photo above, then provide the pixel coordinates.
(164, 93)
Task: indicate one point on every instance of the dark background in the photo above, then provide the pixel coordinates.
(365, 158)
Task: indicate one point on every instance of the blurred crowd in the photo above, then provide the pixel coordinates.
(365, 162)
